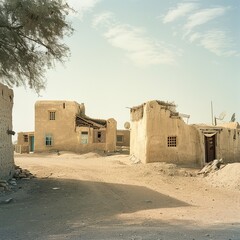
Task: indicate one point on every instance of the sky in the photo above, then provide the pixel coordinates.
(127, 52)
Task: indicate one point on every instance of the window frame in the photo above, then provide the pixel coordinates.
(84, 137)
(99, 138)
(172, 141)
(122, 136)
(52, 115)
(25, 138)
(48, 140)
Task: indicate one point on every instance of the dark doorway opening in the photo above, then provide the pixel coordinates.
(210, 148)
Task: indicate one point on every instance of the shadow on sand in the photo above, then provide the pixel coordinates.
(70, 209)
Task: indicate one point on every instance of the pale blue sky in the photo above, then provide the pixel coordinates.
(126, 52)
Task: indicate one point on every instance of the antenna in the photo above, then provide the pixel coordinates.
(212, 113)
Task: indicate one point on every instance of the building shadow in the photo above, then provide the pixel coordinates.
(55, 209)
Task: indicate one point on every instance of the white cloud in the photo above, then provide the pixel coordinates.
(142, 50)
(215, 41)
(181, 10)
(103, 19)
(203, 16)
(218, 42)
(194, 37)
(82, 6)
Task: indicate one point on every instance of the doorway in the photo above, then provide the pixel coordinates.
(210, 148)
(31, 143)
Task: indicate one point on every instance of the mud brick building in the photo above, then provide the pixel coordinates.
(6, 132)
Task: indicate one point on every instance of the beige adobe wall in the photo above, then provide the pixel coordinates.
(6, 146)
(228, 145)
(138, 136)
(125, 136)
(230, 152)
(227, 141)
(66, 136)
(62, 129)
(111, 135)
(91, 145)
(160, 126)
(108, 144)
(149, 137)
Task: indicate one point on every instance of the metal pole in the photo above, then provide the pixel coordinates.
(212, 112)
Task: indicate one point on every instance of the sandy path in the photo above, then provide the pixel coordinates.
(110, 198)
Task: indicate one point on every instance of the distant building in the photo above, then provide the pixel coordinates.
(6, 132)
(159, 134)
(25, 142)
(63, 126)
(123, 141)
(123, 138)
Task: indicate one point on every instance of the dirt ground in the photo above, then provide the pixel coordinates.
(108, 197)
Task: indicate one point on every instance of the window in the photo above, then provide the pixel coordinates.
(172, 141)
(52, 115)
(120, 138)
(25, 138)
(84, 137)
(48, 140)
(99, 136)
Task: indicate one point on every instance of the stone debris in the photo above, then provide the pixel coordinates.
(211, 167)
(22, 173)
(4, 185)
(12, 183)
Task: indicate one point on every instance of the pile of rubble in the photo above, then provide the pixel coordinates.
(212, 167)
(22, 173)
(18, 174)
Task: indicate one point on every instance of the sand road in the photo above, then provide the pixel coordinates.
(108, 197)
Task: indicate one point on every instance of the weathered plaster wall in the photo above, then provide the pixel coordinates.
(138, 136)
(62, 129)
(149, 136)
(230, 150)
(6, 146)
(227, 141)
(160, 126)
(111, 134)
(65, 135)
(153, 123)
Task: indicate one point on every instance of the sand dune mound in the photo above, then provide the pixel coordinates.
(227, 177)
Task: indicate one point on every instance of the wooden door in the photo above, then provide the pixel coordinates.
(210, 148)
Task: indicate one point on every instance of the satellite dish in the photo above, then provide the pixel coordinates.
(127, 125)
(222, 116)
(233, 118)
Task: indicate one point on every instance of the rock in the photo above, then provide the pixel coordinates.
(3, 184)
(22, 175)
(2, 189)
(13, 182)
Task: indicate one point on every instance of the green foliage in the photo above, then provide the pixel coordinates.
(31, 40)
